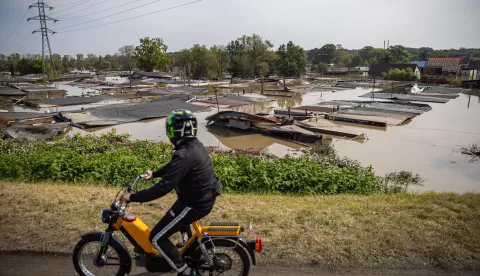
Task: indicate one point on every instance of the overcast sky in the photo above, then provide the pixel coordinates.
(438, 24)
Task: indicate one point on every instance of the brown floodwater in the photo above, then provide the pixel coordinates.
(428, 145)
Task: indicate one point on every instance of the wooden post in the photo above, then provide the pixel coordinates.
(373, 89)
(216, 97)
(262, 87)
(243, 91)
(289, 114)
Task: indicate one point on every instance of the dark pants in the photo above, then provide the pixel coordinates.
(177, 219)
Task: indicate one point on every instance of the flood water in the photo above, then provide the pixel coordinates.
(428, 145)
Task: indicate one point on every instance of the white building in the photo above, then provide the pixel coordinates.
(469, 74)
(112, 79)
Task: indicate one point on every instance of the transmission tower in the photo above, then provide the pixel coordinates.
(44, 31)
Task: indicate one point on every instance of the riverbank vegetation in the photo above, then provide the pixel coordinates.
(390, 231)
(110, 159)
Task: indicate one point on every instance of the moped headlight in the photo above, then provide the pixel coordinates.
(105, 215)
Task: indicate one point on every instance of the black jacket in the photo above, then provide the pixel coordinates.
(190, 172)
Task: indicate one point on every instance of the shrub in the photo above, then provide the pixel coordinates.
(400, 75)
(110, 159)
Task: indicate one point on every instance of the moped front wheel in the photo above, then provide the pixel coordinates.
(114, 261)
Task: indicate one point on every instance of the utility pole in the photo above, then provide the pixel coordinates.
(44, 31)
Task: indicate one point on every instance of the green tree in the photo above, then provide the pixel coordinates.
(80, 63)
(57, 61)
(236, 51)
(127, 57)
(112, 61)
(102, 64)
(222, 59)
(203, 62)
(183, 60)
(355, 61)
(259, 54)
(367, 53)
(327, 53)
(398, 54)
(67, 64)
(291, 62)
(424, 53)
(12, 63)
(379, 54)
(151, 54)
(440, 54)
(341, 56)
(90, 61)
(3, 63)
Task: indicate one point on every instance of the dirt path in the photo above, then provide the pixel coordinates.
(41, 265)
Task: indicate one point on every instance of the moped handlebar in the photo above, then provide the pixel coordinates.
(122, 204)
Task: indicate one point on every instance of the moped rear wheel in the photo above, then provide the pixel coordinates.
(231, 259)
(112, 263)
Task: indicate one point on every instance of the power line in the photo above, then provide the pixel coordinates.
(86, 8)
(109, 9)
(24, 39)
(69, 4)
(26, 42)
(71, 7)
(20, 23)
(53, 1)
(171, 8)
(110, 15)
(23, 27)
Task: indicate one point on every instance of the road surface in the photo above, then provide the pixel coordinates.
(43, 265)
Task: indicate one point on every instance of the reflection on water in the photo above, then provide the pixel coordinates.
(236, 139)
(428, 145)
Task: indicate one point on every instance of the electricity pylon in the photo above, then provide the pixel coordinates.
(44, 31)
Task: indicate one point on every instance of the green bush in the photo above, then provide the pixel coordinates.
(110, 159)
(400, 75)
(455, 82)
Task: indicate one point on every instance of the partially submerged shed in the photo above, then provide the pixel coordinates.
(36, 132)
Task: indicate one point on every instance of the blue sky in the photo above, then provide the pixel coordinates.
(310, 23)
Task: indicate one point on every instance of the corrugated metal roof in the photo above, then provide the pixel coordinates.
(420, 63)
(447, 64)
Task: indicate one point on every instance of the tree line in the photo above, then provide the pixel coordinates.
(247, 56)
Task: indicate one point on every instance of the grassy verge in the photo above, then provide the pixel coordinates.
(399, 230)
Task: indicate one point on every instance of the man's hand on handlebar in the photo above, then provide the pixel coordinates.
(149, 175)
(125, 197)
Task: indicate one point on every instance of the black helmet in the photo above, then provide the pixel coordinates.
(181, 124)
